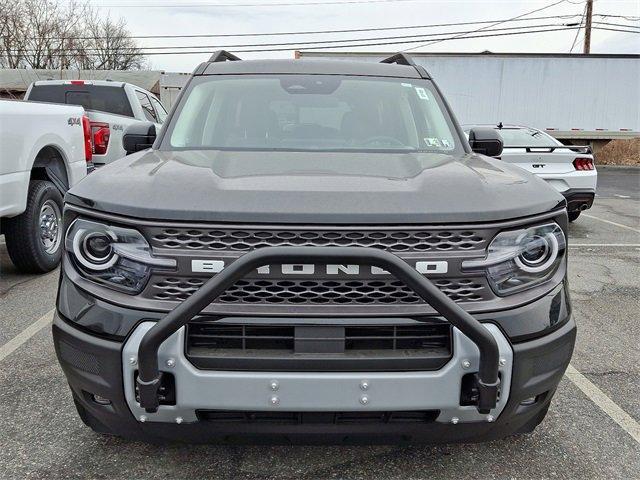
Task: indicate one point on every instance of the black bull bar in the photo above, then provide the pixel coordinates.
(149, 376)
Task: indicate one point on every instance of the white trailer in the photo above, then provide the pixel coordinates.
(586, 98)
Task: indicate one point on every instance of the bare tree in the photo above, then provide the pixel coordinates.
(51, 34)
(10, 28)
(111, 47)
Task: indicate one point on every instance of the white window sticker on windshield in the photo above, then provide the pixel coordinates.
(432, 142)
(446, 143)
(406, 85)
(422, 93)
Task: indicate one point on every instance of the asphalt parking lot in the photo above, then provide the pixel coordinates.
(592, 429)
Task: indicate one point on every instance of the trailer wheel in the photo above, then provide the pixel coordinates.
(573, 216)
(34, 238)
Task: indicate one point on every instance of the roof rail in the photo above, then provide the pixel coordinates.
(223, 56)
(400, 59)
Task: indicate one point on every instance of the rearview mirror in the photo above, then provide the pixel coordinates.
(139, 137)
(485, 141)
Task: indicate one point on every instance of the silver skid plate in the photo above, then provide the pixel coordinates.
(315, 391)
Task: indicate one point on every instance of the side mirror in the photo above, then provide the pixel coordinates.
(139, 137)
(485, 141)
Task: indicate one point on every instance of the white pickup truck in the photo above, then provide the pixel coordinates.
(44, 150)
(111, 107)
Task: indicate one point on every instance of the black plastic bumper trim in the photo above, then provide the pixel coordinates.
(538, 366)
(579, 198)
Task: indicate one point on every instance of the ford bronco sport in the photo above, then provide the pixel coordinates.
(311, 251)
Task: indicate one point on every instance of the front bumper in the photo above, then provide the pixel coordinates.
(95, 367)
(202, 390)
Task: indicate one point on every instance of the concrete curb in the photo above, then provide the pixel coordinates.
(617, 167)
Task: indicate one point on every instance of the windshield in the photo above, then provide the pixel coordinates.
(526, 137)
(311, 113)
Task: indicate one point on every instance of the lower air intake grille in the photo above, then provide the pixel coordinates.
(275, 347)
(79, 359)
(332, 418)
(282, 337)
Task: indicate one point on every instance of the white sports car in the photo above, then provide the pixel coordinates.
(569, 169)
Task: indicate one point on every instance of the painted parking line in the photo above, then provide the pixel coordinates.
(19, 340)
(608, 406)
(604, 245)
(620, 225)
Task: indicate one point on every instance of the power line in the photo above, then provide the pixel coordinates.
(575, 39)
(616, 24)
(408, 41)
(626, 17)
(350, 30)
(617, 30)
(494, 24)
(318, 32)
(350, 45)
(314, 42)
(236, 5)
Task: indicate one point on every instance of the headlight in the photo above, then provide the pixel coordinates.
(114, 256)
(520, 259)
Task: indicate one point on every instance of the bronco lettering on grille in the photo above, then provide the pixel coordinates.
(216, 266)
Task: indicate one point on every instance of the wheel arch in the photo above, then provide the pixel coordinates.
(50, 164)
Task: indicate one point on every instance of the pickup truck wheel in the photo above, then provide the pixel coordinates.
(573, 216)
(34, 238)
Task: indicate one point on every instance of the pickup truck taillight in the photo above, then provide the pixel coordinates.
(583, 164)
(88, 143)
(101, 134)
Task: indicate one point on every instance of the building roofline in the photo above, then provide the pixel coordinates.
(302, 54)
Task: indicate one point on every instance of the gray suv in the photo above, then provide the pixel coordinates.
(311, 251)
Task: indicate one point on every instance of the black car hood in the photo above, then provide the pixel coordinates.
(322, 187)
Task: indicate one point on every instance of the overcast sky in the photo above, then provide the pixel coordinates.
(177, 17)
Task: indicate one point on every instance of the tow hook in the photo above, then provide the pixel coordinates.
(149, 393)
(484, 396)
(488, 394)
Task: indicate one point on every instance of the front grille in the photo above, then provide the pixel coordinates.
(283, 347)
(318, 292)
(243, 240)
(311, 294)
(318, 418)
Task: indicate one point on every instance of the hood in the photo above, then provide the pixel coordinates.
(313, 187)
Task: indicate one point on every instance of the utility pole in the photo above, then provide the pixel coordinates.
(587, 27)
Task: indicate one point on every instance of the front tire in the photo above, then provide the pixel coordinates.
(34, 238)
(573, 216)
